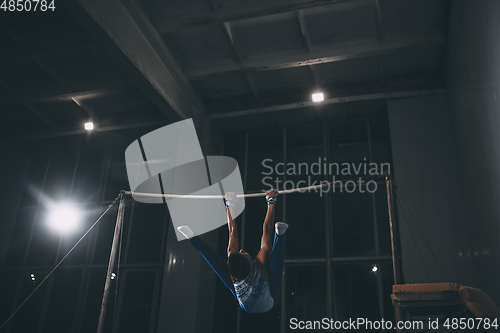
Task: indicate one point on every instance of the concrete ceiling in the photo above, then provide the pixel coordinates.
(247, 64)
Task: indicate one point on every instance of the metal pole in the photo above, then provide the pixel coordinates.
(243, 222)
(394, 248)
(328, 232)
(283, 277)
(114, 248)
(375, 226)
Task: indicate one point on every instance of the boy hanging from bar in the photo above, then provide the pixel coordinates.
(256, 284)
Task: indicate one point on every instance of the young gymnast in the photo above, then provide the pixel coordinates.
(256, 284)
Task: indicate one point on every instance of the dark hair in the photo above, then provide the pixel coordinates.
(239, 265)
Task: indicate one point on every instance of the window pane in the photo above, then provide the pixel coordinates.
(60, 176)
(93, 299)
(117, 174)
(381, 145)
(352, 224)
(27, 318)
(20, 237)
(235, 147)
(382, 156)
(44, 242)
(342, 133)
(34, 181)
(355, 291)
(348, 149)
(384, 232)
(225, 305)
(135, 314)
(8, 287)
(262, 146)
(265, 148)
(88, 174)
(262, 322)
(305, 293)
(305, 211)
(62, 303)
(77, 257)
(225, 309)
(147, 228)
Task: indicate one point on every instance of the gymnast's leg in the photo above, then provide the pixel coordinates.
(213, 259)
(277, 261)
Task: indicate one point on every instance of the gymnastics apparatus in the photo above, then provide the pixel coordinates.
(269, 248)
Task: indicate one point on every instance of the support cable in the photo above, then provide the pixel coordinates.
(434, 255)
(59, 263)
(414, 240)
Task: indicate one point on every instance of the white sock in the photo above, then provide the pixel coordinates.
(280, 227)
(186, 231)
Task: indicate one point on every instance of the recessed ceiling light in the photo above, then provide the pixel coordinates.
(89, 126)
(318, 97)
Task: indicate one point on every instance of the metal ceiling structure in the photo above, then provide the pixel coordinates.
(246, 64)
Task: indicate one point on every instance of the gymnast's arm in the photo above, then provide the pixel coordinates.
(266, 242)
(234, 243)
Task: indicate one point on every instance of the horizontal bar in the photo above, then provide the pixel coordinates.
(251, 195)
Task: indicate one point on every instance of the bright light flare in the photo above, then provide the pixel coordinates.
(64, 218)
(318, 97)
(374, 269)
(89, 126)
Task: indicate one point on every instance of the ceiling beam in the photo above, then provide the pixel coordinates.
(124, 31)
(314, 76)
(229, 33)
(7, 29)
(380, 25)
(65, 93)
(11, 33)
(105, 60)
(239, 56)
(43, 65)
(253, 87)
(56, 44)
(235, 13)
(39, 114)
(381, 37)
(82, 105)
(303, 29)
(381, 70)
(135, 105)
(307, 43)
(333, 53)
(30, 107)
(283, 107)
(52, 134)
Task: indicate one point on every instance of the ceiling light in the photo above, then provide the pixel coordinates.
(64, 218)
(89, 126)
(318, 97)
